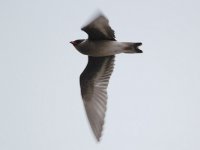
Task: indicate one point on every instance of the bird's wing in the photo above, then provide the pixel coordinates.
(94, 81)
(99, 29)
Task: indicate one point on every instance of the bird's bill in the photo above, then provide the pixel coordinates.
(72, 42)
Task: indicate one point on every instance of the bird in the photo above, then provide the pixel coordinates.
(101, 48)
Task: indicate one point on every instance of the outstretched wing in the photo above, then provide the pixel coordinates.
(94, 81)
(99, 29)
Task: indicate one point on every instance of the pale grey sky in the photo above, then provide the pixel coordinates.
(154, 97)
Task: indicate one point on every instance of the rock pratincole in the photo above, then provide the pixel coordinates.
(101, 48)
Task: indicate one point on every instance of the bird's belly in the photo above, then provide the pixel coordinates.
(98, 49)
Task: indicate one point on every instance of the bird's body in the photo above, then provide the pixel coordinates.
(105, 47)
(101, 48)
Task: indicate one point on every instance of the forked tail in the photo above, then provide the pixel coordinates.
(133, 48)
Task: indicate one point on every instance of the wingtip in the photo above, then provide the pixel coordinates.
(98, 139)
(98, 135)
(96, 15)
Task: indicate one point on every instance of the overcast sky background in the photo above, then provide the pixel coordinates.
(154, 97)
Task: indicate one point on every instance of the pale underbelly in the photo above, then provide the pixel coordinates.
(102, 49)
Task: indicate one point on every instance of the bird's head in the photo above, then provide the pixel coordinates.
(76, 42)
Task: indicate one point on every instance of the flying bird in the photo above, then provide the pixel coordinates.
(101, 48)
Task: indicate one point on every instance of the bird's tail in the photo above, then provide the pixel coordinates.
(132, 47)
